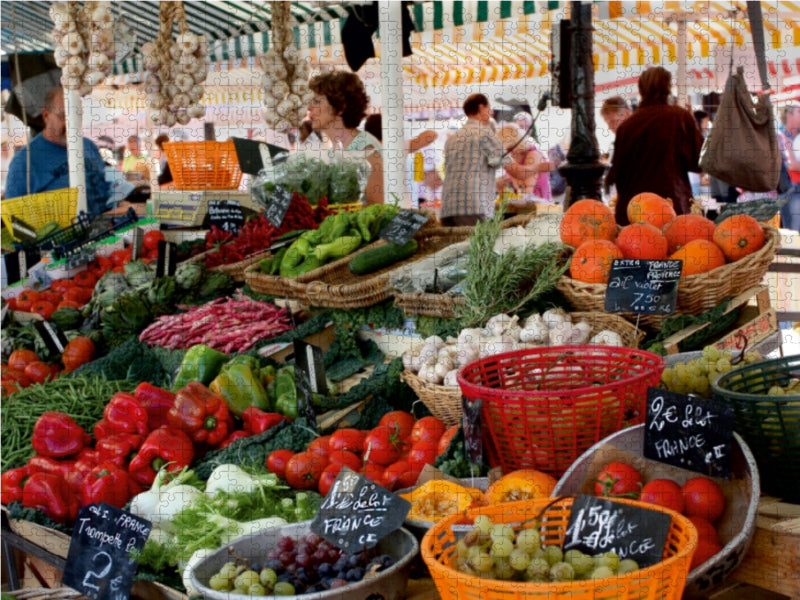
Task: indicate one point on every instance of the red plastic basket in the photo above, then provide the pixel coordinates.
(543, 407)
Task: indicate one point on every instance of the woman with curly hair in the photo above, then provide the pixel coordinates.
(339, 105)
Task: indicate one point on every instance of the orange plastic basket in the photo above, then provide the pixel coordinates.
(663, 581)
(204, 165)
(543, 407)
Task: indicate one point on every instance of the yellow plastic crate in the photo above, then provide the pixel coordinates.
(60, 206)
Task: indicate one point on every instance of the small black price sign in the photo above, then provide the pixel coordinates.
(167, 258)
(17, 263)
(689, 432)
(643, 286)
(357, 513)
(277, 205)
(22, 230)
(403, 227)
(760, 210)
(225, 214)
(471, 423)
(309, 376)
(53, 337)
(99, 564)
(597, 525)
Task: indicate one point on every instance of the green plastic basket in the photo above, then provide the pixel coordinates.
(769, 424)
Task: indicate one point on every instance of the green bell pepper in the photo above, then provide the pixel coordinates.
(239, 383)
(286, 392)
(200, 363)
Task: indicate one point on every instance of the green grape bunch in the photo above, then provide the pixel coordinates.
(695, 376)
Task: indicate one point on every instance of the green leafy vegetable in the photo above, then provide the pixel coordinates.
(455, 460)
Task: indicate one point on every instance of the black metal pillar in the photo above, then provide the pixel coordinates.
(583, 169)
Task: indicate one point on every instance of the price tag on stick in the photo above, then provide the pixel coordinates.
(357, 513)
(689, 432)
(309, 374)
(52, 336)
(99, 563)
(403, 227)
(643, 286)
(597, 525)
(136, 243)
(471, 423)
(277, 206)
(167, 259)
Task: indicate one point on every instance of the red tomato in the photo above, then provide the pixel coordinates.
(11, 303)
(276, 462)
(348, 439)
(400, 421)
(409, 477)
(21, 358)
(320, 446)
(373, 472)
(444, 441)
(25, 299)
(327, 478)
(78, 294)
(346, 458)
(708, 543)
(69, 303)
(85, 279)
(428, 429)
(381, 446)
(663, 492)
(422, 453)
(51, 296)
(43, 308)
(618, 479)
(14, 376)
(304, 470)
(60, 285)
(120, 257)
(150, 240)
(703, 497)
(399, 475)
(38, 372)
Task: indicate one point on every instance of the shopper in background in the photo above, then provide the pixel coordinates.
(614, 111)
(49, 167)
(788, 136)
(528, 174)
(136, 165)
(655, 148)
(164, 175)
(339, 105)
(471, 156)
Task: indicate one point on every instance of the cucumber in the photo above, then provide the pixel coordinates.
(378, 258)
(47, 229)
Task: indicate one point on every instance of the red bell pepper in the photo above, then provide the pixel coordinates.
(45, 464)
(11, 484)
(258, 421)
(236, 435)
(110, 484)
(57, 435)
(125, 414)
(118, 448)
(52, 495)
(156, 401)
(102, 429)
(164, 446)
(201, 413)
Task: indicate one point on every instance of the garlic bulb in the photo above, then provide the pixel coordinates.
(535, 330)
(470, 335)
(565, 334)
(451, 378)
(498, 324)
(467, 353)
(497, 345)
(607, 338)
(554, 316)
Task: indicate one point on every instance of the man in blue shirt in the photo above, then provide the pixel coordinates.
(49, 169)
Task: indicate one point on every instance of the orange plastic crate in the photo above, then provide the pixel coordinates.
(204, 165)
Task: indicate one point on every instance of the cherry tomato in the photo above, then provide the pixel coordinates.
(618, 479)
(422, 453)
(329, 475)
(38, 372)
(663, 492)
(348, 439)
(703, 497)
(304, 470)
(381, 446)
(150, 240)
(444, 441)
(373, 472)
(346, 458)
(399, 421)
(428, 429)
(21, 358)
(276, 462)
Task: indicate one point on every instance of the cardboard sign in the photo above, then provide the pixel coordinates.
(403, 227)
(643, 286)
(277, 205)
(760, 210)
(689, 432)
(167, 258)
(357, 513)
(99, 565)
(309, 375)
(22, 230)
(471, 423)
(16, 263)
(225, 214)
(598, 525)
(53, 337)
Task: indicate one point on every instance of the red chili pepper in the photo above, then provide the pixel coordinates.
(236, 435)
(164, 446)
(201, 413)
(57, 435)
(156, 401)
(110, 484)
(11, 484)
(52, 495)
(258, 421)
(125, 414)
(119, 448)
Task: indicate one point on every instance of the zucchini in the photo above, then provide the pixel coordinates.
(47, 229)
(383, 256)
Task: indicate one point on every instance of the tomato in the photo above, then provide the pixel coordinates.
(68, 303)
(409, 477)
(51, 296)
(346, 458)
(85, 279)
(399, 475)
(16, 376)
(79, 350)
(8, 387)
(663, 492)
(43, 308)
(618, 479)
(348, 439)
(708, 543)
(150, 240)
(444, 441)
(11, 304)
(429, 429)
(26, 298)
(276, 462)
(400, 421)
(381, 446)
(373, 472)
(38, 372)
(304, 470)
(60, 285)
(78, 294)
(320, 446)
(703, 497)
(422, 453)
(120, 257)
(329, 475)
(21, 358)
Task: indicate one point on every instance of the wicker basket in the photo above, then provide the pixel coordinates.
(235, 270)
(60, 206)
(444, 401)
(696, 293)
(429, 305)
(204, 165)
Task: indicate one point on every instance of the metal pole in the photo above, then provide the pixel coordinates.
(77, 167)
(683, 96)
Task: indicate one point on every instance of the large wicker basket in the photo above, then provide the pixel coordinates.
(444, 401)
(696, 293)
(235, 270)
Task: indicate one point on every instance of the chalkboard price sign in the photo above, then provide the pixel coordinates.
(225, 214)
(689, 432)
(760, 210)
(309, 375)
(471, 423)
(99, 564)
(277, 205)
(403, 227)
(357, 513)
(597, 525)
(16, 263)
(167, 258)
(643, 286)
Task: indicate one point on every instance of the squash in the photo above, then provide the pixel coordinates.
(523, 484)
(699, 256)
(685, 228)
(591, 262)
(439, 498)
(642, 240)
(651, 208)
(739, 235)
(587, 220)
